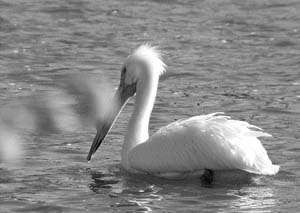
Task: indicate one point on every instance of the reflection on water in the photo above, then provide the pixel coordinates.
(146, 193)
(256, 198)
(240, 57)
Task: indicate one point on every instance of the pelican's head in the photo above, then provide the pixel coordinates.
(144, 63)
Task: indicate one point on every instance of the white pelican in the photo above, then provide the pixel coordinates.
(200, 143)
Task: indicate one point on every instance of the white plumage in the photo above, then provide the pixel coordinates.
(202, 142)
(213, 141)
(152, 57)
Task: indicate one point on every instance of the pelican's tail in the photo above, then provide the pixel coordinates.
(241, 138)
(270, 170)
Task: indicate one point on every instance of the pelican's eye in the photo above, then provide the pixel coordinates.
(123, 73)
(124, 70)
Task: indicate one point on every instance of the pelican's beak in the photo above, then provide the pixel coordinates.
(123, 93)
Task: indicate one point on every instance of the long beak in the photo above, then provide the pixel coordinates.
(123, 93)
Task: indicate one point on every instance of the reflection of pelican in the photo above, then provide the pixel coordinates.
(211, 142)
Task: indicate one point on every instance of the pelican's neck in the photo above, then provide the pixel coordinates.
(138, 126)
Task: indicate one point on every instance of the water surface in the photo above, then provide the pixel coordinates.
(240, 57)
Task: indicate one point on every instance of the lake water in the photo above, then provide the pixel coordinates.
(240, 57)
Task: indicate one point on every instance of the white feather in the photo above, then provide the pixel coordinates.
(152, 56)
(211, 141)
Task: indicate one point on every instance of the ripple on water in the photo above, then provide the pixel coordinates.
(6, 26)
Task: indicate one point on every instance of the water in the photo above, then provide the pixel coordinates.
(240, 57)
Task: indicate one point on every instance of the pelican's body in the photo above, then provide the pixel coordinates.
(213, 142)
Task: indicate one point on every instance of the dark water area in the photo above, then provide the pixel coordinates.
(239, 57)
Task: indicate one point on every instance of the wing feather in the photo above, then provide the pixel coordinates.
(212, 141)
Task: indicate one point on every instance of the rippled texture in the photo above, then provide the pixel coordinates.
(240, 57)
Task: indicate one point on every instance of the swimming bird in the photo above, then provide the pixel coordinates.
(201, 143)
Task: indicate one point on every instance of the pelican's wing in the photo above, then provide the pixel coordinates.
(211, 141)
